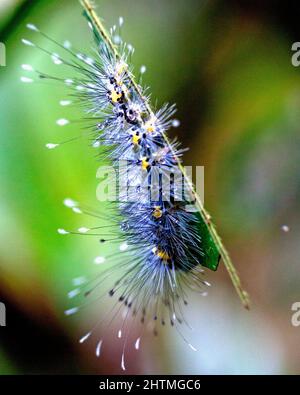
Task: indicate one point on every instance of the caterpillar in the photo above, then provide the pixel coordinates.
(164, 236)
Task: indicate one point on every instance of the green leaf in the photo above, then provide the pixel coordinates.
(212, 255)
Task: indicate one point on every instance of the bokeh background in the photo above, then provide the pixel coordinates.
(228, 68)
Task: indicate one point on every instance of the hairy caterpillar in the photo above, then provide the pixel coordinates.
(164, 244)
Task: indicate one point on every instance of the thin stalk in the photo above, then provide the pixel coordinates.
(243, 295)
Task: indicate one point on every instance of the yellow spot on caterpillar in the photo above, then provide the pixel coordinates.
(135, 139)
(145, 163)
(149, 126)
(157, 212)
(115, 96)
(163, 255)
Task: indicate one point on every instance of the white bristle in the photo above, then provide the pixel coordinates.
(80, 56)
(65, 103)
(89, 61)
(121, 21)
(123, 246)
(119, 334)
(77, 210)
(122, 362)
(99, 259)
(70, 203)
(78, 281)
(26, 80)
(285, 228)
(62, 122)
(117, 39)
(27, 67)
(143, 69)
(27, 42)
(71, 311)
(83, 229)
(30, 26)
(98, 348)
(192, 347)
(175, 123)
(73, 293)
(68, 81)
(137, 343)
(85, 337)
(62, 231)
(67, 44)
(51, 145)
(56, 59)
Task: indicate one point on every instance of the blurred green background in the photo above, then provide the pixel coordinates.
(228, 68)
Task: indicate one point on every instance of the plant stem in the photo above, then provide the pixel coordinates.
(89, 9)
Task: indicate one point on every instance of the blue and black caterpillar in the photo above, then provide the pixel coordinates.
(164, 244)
